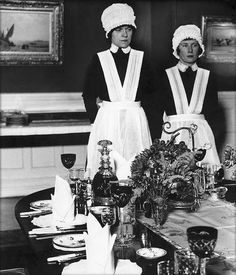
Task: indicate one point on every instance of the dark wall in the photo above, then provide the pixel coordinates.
(83, 36)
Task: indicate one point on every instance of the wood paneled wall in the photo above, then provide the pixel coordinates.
(84, 36)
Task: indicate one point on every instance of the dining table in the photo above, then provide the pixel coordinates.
(42, 246)
(171, 236)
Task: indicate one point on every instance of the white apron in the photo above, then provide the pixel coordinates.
(190, 113)
(122, 120)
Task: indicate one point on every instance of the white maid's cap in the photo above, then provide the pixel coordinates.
(117, 15)
(184, 32)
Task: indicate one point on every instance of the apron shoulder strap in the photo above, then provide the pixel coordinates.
(178, 91)
(132, 75)
(199, 91)
(111, 75)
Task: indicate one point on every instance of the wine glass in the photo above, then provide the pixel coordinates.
(200, 181)
(108, 215)
(68, 161)
(202, 242)
(121, 192)
(76, 176)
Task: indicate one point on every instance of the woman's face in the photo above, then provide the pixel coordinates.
(122, 36)
(188, 51)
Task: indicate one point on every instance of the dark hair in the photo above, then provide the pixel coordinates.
(110, 32)
(186, 39)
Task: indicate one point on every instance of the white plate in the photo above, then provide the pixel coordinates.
(151, 252)
(68, 248)
(43, 204)
(70, 241)
(46, 221)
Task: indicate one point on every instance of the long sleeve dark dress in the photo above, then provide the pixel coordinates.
(95, 87)
(210, 107)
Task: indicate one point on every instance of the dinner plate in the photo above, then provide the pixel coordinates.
(46, 221)
(151, 253)
(70, 241)
(68, 248)
(42, 204)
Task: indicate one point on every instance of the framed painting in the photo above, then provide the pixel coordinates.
(219, 35)
(31, 32)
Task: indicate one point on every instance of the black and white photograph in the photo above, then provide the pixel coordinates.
(118, 148)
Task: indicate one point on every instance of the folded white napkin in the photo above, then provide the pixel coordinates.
(127, 267)
(99, 247)
(123, 267)
(62, 203)
(99, 251)
(122, 166)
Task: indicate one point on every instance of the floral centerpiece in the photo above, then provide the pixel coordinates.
(230, 160)
(167, 171)
(229, 156)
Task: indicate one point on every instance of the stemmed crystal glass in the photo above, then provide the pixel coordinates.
(76, 176)
(68, 161)
(202, 242)
(108, 215)
(121, 192)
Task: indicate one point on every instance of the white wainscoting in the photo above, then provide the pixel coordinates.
(30, 169)
(27, 170)
(228, 100)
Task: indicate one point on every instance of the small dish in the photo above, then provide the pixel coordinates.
(43, 204)
(151, 253)
(97, 210)
(70, 241)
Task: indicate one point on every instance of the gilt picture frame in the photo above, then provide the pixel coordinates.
(219, 38)
(31, 32)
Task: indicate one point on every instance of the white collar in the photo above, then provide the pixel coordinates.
(182, 67)
(114, 49)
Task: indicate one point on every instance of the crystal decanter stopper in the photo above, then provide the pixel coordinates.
(101, 181)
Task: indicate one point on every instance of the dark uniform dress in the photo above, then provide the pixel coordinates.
(197, 91)
(98, 88)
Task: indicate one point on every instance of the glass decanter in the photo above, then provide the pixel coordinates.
(101, 181)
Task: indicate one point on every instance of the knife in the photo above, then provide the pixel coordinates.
(44, 237)
(52, 230)
(46, 234)
(66, 258)
(34, 213)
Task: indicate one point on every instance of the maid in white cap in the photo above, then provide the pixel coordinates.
(189, 95)
(118, 79)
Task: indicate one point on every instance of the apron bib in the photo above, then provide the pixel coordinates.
(122, 121)
(190, 113)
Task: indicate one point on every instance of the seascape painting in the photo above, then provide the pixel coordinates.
(25, 31)
(31, 32)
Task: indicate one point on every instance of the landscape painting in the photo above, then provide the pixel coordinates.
(219, 35)
(31, 34)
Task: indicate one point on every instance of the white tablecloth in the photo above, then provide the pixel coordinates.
(219, 214)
